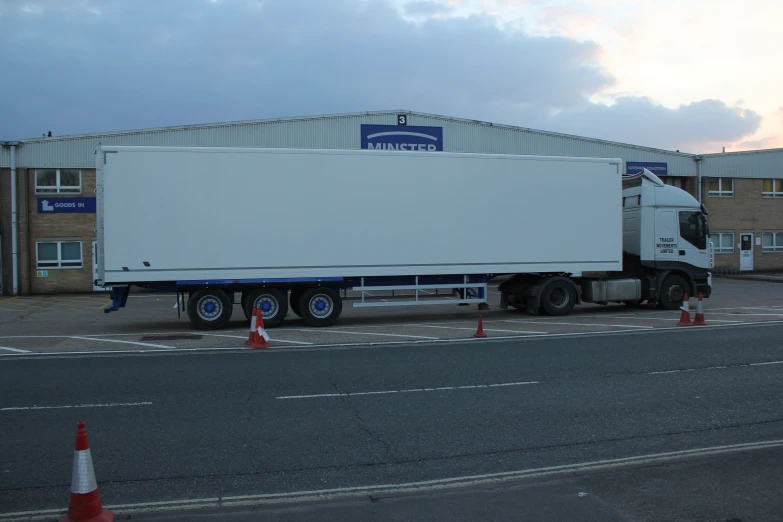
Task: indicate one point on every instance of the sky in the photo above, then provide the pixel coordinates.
(694, 76)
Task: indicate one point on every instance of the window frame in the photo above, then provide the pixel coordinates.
(718, 249)
(773, 249)
(58, 264)
(720, 193)
(777, 188)
(57, 188)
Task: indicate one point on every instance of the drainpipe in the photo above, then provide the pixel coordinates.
(14, 235)
(698, 175)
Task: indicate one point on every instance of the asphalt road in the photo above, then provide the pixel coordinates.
(225, 424)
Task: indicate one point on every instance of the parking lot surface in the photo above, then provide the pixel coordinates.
(76, 324)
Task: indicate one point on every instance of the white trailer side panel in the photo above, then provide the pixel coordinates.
(219, 213)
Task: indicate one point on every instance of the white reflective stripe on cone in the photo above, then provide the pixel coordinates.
(83, 477)
(263, 334)
(253, 323)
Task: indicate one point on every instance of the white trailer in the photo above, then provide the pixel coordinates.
(280, 226)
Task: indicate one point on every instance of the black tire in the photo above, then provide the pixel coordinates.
(209, 309)
(293, 301)
(673, 290)
(320, 306)
(558, 298)
(273, 303)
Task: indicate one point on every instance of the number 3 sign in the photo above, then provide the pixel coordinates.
(402, 119)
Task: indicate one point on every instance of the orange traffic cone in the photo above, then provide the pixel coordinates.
(480, 330)
(85, 504)
(261, 339)
(685, 316)
(251, 335)
(699, 319)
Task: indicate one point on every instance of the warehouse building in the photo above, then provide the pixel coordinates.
(48, 230)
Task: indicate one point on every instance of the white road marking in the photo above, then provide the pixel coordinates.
(382, 344)
(245, 337)
(412, 390)
(674, 319)
(754, 314)
(413, 487)
(17, 350)
(331, 330)
(579, 324)
(715, 367)
(107, 405)
(765, 363)
(414, 325)
(99, 339)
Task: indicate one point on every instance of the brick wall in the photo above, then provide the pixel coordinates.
(76, 226)
(746, 211)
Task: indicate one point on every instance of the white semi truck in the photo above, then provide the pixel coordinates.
(306, 230)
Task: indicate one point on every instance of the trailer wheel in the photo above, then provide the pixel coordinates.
(293, 301)
(320, 306)
(558, 298)
(209, 309)
(673, 291)
(271, 301)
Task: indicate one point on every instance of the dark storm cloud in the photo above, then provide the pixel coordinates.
(81, 66)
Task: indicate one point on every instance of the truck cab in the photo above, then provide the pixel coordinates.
(665, 239)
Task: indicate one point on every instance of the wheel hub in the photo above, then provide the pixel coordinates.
(209, 308)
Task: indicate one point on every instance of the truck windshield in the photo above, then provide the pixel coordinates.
(693, 229)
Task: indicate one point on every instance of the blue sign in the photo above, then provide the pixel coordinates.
(55, 205)
(396, 137)
(635, 167)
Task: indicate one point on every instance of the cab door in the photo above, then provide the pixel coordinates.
(666, 235)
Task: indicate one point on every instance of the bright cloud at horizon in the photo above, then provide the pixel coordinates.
(692, 76)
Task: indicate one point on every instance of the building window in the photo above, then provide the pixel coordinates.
(721, 187)
(772, 188)
(722, 242)
(58, 181)
(59, 254)
(772, 241)
(675, 181)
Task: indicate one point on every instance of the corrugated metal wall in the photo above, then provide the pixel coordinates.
(341, 131)
(757, 164)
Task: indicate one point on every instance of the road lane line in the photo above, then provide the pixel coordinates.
(245, 337)
(673, 319)
(17, 350)
(330, 330)
(579, 324)
(448, 483)
(411, 390)
(754, 314)
(67, 406)
(414, 325)
(714, 367)
(119, 341)
(383, 344)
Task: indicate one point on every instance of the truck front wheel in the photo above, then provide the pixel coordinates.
(209, 309)
(320, 306)
(273, 305)
(673, 292)
(558, 298)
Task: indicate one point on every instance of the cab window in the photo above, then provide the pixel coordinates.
(693, 229)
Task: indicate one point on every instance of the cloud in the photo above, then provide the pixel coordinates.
(145, 64)
(690, 127)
